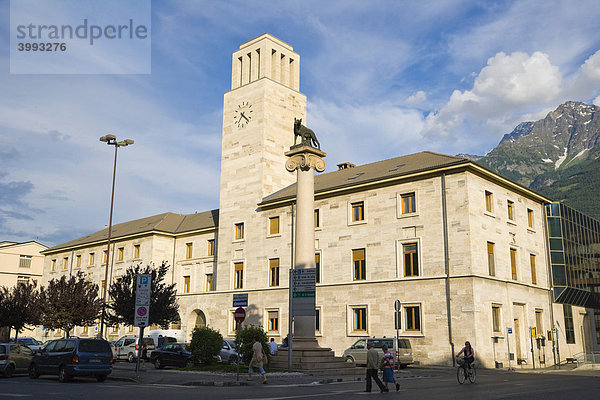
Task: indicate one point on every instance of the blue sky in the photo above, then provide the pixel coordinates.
(383, 79)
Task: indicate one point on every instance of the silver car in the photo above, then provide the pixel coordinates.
(14, 357)
(228, 354)
(357, 353)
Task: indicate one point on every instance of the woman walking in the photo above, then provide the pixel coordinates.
(258, 357)
(387, 364)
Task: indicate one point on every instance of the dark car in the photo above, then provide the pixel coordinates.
(73, 357)
(172, 354)
(14, 358)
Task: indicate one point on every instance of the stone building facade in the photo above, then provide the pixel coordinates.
(464, 249)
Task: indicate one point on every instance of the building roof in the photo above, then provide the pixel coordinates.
(170, 223)
(373, 172)
(6, 244)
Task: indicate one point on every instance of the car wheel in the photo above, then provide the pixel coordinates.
(101, 378)
(34, 372)
(350, 360)
(9, 371)
(233, 360)
(63, 376)
(189, 363)
(130, 357)
(157, 363)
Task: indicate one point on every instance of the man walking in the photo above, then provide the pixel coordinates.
(372, 365)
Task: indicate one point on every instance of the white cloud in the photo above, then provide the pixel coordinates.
(416, 99)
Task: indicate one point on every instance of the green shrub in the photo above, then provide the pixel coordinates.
(205, 345)
(245, 339)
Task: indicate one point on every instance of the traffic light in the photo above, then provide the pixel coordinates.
(533, 332)
(549, 335)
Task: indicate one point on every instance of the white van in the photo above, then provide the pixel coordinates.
(159, 335)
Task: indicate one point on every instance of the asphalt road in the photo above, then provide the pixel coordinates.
(422, 384)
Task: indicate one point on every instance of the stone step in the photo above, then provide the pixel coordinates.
(303, 366)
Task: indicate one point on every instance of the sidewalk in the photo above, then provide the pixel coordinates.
(125, 372)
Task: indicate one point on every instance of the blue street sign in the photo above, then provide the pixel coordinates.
(509, 330)
(240, 300)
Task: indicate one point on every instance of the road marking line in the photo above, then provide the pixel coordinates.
(308, 395)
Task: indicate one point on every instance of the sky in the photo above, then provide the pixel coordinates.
(382, 78)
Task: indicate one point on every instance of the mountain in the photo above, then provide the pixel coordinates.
(558, 156)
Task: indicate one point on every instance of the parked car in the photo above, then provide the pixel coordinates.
(73, 357)
(228, 355)
(127, 348)
(30, 342)
(165, 336)
(172, 354)
(357, 353)
(14, 357)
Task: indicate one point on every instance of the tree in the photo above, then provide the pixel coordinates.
(4, 314)
(163, 305)
(22, 307)
(67, 303)
(205, 345)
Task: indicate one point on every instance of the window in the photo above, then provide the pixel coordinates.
(104, 257)
(317, 219)
(136, 251)
(489, 202)
(209, 282)
(130, 328)
(186, 284)
(239, 231)
(358, 211)
(408, 203)
(273, 324)
(115, 328)
(318, 267)
(569, 329)
(22, 279)
(65, 262)
(52, 265)
(495, 318)
(532, 264)
(538, 322)
(530, 218)
(513, 263)
(490, 254)
(102, 287)
(25, 261)
(274, 272)
(211, 247)
(238, 275)
(413, 318)
(120, 253)
(411, 259)
(234, 324)
(511, 209)
(85, 330)
(318, 321)
(597, 324)
(92, 259)
(188, 250)
(359, 263)
(359, 323)
(78, 260)
(273, 225)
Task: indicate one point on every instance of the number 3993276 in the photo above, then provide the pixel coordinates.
(41, 46)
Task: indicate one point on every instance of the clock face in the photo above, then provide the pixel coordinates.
(243, 114)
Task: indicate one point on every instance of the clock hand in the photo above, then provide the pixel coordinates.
(246, 118)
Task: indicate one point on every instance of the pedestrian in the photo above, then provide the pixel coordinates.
(258, 357)
(387, 365)
(273, 346)
(372, 364)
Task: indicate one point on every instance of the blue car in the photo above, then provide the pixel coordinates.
(72, 357)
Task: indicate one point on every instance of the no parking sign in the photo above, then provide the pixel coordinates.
(142, 300)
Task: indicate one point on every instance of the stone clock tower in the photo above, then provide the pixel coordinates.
(258, 118)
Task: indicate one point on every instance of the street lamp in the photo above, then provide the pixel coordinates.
(112, 141)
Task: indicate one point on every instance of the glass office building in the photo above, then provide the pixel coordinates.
(574, 240)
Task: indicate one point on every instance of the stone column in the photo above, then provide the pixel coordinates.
(305, 160)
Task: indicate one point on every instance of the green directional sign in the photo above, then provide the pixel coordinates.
(303, 291)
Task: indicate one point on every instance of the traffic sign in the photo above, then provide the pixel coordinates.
(239, 315)
(397, 305)
(142, 300)
(303, 291)
(509, 330)
(240, 299)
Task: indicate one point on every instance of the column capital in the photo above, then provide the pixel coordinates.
(305, 157)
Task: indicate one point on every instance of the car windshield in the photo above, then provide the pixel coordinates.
(28, 341)
(94, 346)
(2, 349)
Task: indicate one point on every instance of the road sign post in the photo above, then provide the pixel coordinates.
(398, 325)
(239, 315)
(141, 316)
(508, 332)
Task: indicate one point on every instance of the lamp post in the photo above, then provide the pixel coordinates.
(112, 141)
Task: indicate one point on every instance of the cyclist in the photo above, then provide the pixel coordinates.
(469, 354)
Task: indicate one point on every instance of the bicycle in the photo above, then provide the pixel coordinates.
(463, 373)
